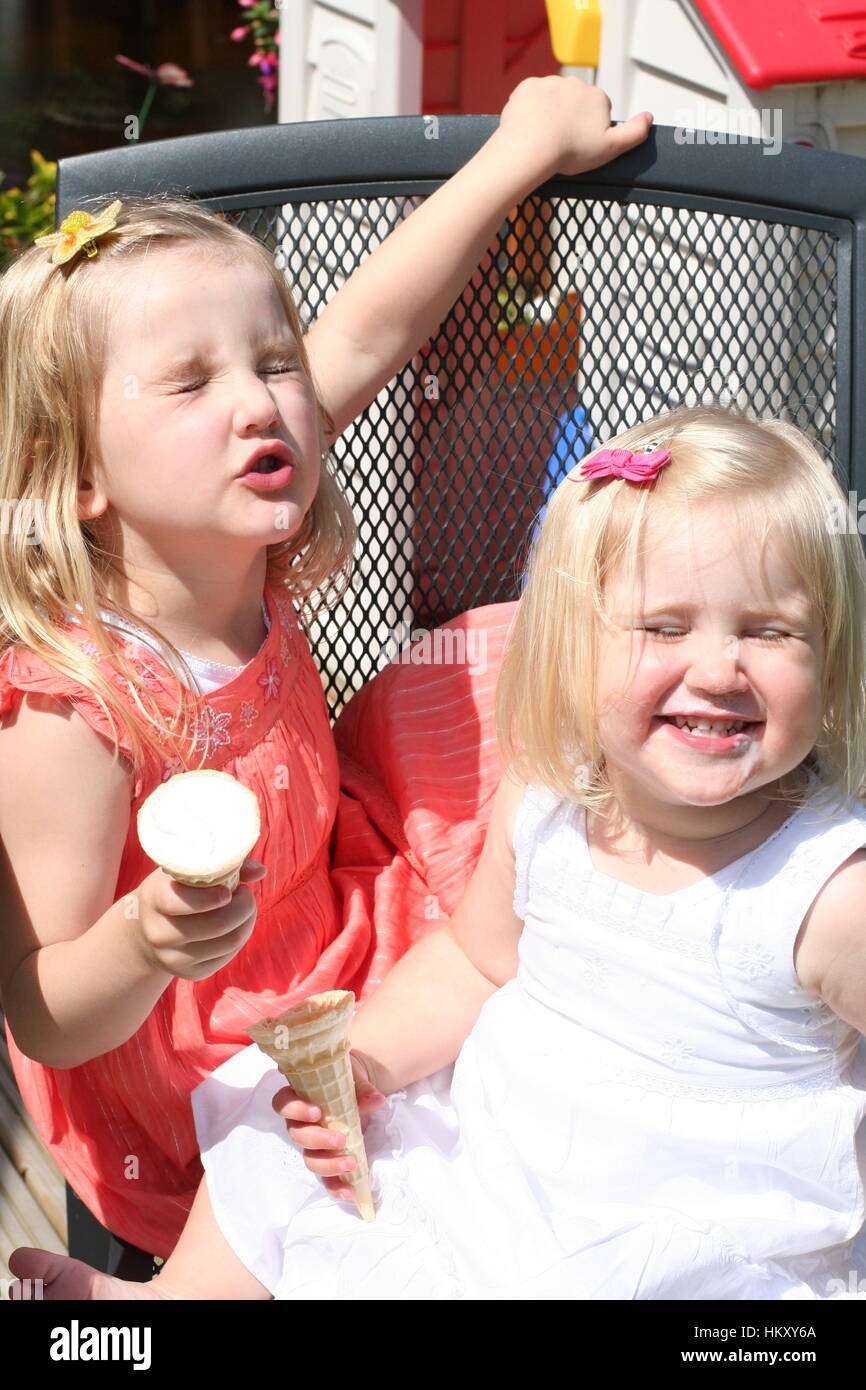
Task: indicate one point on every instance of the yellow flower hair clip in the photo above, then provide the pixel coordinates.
(78, 232)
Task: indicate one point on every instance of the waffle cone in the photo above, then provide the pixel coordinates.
(230, 880)
(310, 1045)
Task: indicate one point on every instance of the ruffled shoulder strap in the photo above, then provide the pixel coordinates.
(22, 670)
(753, 943)
(540, 810)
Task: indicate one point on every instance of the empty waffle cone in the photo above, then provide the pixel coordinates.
(310, 1045)
(199, 827)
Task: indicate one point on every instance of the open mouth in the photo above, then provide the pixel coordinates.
(714, 731)
(269, 472)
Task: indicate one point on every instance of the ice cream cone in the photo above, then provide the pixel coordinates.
(310, 1045)
(199, 827)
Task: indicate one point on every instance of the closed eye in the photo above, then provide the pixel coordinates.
(670, 634)
(283, 368)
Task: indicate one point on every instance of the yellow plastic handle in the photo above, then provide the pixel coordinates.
(575, 31)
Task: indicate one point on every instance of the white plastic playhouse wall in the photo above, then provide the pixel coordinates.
(350, 58)
(662, 56)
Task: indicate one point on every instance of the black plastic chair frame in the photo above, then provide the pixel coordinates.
(809, 191)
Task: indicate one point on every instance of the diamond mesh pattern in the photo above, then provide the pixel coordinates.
(585, 317)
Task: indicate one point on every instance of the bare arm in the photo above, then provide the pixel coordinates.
(393, 302)
(72, 982)
(79, 973)
(423, 1011)
(830, 950)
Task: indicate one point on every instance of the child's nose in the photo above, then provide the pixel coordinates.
(714, 664)
(255, 408)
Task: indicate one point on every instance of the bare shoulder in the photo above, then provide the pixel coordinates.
(45, 737)
(64, 816)
(830, 950)
(485, 923)
(506, 804)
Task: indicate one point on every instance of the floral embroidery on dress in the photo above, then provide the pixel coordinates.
(596, 973)
(815, 1015)
(286, 611)
(755, 960)
(212, 729)
(675, 1051)
(247, 713)
(271, 680)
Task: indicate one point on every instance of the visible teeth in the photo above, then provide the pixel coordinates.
(716, 727)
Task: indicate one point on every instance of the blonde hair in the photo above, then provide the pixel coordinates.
(546, 720)
(53, 331)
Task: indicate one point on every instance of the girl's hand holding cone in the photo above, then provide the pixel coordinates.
(322, 1146)
(310, 1044)
(193, 932)
(199, 827)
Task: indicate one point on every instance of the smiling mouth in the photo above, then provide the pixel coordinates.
(710, 728)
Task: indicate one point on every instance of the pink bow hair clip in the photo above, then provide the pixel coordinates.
(640, 467)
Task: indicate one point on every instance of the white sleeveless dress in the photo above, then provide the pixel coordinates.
(653, 1108)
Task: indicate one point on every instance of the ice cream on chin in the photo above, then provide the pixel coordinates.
(199, 827)
(310, 1045)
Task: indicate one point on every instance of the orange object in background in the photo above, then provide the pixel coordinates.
(541, 351)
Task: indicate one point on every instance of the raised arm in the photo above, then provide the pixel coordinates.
(393, 302)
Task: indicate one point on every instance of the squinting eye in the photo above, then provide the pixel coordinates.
(668, 634)
(282, 368)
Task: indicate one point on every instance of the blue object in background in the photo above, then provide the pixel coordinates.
(572, 441)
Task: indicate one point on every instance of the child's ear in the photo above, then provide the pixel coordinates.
(92, 501)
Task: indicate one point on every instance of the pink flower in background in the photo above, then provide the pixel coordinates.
(170, 75)
(167, 74)
(262, 27)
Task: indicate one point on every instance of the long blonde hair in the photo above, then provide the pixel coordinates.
(546, 719)
(53, 322)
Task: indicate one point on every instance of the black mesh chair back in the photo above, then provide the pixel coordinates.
(676, 274)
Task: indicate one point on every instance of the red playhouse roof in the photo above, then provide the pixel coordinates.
(779, 41)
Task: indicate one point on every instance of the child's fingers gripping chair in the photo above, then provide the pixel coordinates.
(677, 273)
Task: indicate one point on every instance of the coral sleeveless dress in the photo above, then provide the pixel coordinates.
(653, 1108)
(364, 855)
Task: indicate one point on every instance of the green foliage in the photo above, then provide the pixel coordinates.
(29, 212)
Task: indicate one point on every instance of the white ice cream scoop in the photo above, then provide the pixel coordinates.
(199, 827)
